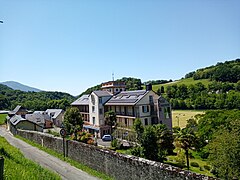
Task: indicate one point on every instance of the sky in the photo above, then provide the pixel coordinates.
(71, 45)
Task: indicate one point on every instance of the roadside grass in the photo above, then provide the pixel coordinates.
(16, 166)
(2, 118)
(180, 117)
(187, 82)
(70, 161)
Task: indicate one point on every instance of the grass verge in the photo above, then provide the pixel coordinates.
(16, 166)
(2, 118)
(70, 161)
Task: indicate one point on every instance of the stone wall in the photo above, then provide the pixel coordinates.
(119, 166)
(46, 140)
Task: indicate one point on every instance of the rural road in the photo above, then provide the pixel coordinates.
(65, 170)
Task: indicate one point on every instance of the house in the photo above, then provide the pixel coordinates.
(41, 118)
(127, 105)
(18, 122)
(82, 104)
(113, 86)
(97, 100)
(19, 110)
(56, 115)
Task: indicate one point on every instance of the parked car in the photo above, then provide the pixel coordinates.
(107, 137)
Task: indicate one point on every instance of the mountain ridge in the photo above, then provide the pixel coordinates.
(18, 86)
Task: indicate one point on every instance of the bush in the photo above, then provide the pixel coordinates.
(207, 167)
(116, 144)
(194, 164)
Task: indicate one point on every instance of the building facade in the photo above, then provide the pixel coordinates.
(146, 105)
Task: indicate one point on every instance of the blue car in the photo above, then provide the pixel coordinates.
(107, 137)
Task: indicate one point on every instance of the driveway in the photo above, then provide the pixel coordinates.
(65, 170)
(102, 143)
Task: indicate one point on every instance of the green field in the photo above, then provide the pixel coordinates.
(187, 82)
(16, 166)
(180, 117)
(2, 118)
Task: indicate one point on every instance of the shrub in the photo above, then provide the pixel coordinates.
(181, 158)
(114, 143)
(194, 164)
(207, 167)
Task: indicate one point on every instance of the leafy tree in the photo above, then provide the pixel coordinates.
(164, 140)
(110, 119)
(162, 89)
(138, 127)
(155, 141)
(149, 143)
(186, 140)
(225, 151)
(4, 102)
(73, 121)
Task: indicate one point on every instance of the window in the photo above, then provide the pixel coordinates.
(125, 121)
(150, 99)
(93, 119)
(100, 100)
(93, 108)
(100, 111)
(93, 99)
(145, 109)
(146, 121)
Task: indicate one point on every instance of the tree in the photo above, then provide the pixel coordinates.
(155, 141)
(73, 121)
(225, 151)
(186, 140)
(164, 141)
(138, 127)
(149, 143)
(110, 119)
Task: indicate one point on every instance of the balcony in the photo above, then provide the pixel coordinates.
(125, 114)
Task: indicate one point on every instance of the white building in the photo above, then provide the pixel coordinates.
(127, 105)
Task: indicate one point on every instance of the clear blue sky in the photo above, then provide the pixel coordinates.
(70, 45)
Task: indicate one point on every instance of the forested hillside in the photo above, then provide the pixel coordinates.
(217, 87)
(214, 87)
(43, 100)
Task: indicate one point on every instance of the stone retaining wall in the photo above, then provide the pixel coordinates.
(119, 166)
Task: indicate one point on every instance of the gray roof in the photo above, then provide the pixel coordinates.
(83, 100)
(102, 93)
(37, 118)
(54, 113)
(127, 97)
(17, 108)
(16, 119)
(41, 112)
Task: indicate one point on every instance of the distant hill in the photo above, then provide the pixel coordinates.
(18, 86)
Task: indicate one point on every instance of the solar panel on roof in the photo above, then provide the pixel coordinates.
(122, 101)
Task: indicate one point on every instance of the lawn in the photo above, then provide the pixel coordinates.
(180, 117)
(204, 167)
(187, 82)
(2, 118)
(16, 166)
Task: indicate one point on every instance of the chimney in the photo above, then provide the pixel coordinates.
(148, 87)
